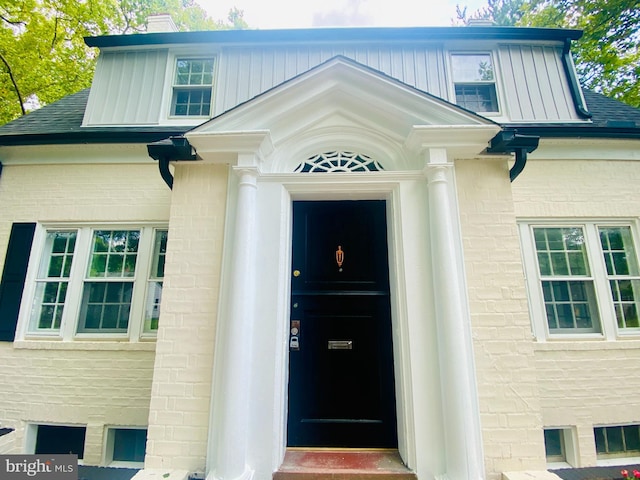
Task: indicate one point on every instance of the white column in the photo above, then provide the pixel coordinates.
(463, 441)
(232, 429)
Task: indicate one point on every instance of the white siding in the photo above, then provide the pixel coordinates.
(127, 88)
(535, 84)
(247, 72)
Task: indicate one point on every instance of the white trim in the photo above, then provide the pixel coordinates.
(605, 308)
(68, 333)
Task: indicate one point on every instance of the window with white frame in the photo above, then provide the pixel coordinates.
(617, 441)
(97, 281)
(192, 87)
(582, 279)
(474, 81)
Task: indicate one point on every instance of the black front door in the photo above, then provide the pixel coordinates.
(341, 386)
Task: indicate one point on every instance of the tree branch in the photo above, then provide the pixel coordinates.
(13, 81)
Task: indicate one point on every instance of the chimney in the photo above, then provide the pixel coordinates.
(161, 22)
(480, 22)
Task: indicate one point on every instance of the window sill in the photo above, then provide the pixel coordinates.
(585, 344)
(621, 461)
(45, 344)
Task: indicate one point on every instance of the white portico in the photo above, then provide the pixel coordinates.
(341, 106)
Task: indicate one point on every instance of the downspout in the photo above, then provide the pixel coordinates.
(574, 86)
(518, 166)
(170, 149)
(509, 141)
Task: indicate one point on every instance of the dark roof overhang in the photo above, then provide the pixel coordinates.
(91, 135)
(364, 34)
(577, 131)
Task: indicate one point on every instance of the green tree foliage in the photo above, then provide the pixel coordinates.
(607, 56)
(42, 52)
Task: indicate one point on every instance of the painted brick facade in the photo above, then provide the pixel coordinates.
(504, 354)
(97, 384)
(570, 398)
(179, 420)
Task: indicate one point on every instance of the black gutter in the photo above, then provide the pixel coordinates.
(574, 86)
(586, 131)
(130, 135)
(170, 150)
(509, 141)
(365, 34)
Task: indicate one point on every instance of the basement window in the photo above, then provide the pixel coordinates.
(126, 446)
(59, 439)
(617, 441)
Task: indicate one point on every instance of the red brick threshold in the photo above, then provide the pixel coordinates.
(343, 464)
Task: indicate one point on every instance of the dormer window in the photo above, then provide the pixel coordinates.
(474, 81)
(192, 86)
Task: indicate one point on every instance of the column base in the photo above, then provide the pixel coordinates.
(246, 475)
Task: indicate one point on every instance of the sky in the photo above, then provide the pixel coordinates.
(267, 14)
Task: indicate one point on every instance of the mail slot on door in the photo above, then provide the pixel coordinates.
(340, 345)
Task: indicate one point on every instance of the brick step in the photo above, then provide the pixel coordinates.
(343, 464)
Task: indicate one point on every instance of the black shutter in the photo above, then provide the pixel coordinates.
(13, 276)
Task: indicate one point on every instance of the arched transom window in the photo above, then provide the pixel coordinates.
(339, 162)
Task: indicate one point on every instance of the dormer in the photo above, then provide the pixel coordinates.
(509, 75)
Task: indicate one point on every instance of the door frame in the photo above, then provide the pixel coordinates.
(412, 308)
(387, 187)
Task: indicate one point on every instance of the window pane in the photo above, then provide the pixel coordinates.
(601, 444)
(129, 445)
(51, 286)
(54, 439)
(114, 253)
(472, 67)
(105, 307)
(632, 437)
(553, 443)
(152, 308)
(570, 305)
(561, 251)
(477, 98)
(619, 251)
(154, 286)
(614, 439)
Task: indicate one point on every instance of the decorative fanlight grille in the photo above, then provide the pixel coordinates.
(339, 162)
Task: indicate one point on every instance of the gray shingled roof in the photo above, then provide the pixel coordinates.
(61, 122)
(608, 112)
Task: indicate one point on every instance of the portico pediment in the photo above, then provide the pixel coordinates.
(339, 104)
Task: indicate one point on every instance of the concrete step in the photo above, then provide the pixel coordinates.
(343, 464)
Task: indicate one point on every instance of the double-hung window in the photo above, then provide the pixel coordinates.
(192, 87)
(582, 279)
(474, 81)
(97, 281)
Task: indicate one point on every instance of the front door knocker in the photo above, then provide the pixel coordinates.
(339, 257)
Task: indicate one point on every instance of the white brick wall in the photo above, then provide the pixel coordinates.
(92, 384)
(505, 362)
(584, 383)
(179, 420)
